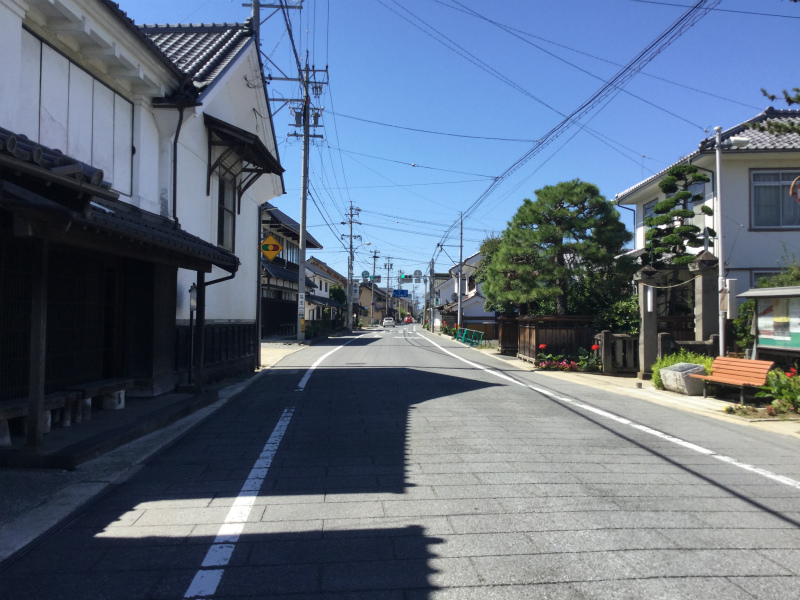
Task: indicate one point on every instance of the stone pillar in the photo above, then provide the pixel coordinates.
(606, 340)
(706, 296)
(648, 329)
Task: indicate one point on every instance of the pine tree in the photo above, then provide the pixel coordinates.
(570, 231)
(669, 233)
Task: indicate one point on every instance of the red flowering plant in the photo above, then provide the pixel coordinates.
(558, 365)
(784, 389)
(590, 360)
(541, 357)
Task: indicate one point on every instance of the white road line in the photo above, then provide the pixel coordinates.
(472, 364)
(302, 385)
(206, 580)
(665, 436)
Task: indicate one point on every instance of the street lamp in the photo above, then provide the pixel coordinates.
(732, 142)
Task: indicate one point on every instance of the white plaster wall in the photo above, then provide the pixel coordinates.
(145, 174)
(11, 50)
(230, 100)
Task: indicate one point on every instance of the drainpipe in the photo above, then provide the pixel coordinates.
(181, 107)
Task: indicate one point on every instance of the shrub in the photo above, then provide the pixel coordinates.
(784, 388)
(684, 356)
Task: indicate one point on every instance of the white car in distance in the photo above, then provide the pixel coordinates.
(388, 322)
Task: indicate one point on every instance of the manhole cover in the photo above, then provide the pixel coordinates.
(168, 473)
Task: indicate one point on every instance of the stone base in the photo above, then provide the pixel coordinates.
(114, 401)
(677, 379)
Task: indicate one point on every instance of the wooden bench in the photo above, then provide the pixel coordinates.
(59, 408)
(111, 392)
(736, 372)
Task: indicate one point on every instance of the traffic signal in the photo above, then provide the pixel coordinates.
(375, 278)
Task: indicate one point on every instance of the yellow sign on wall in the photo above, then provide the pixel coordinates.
(270, 247)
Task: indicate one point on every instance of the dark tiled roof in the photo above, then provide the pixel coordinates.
(281, 220)
(326, 268)
(201, 51)
(277, 272)
(760, 141)
(319, 271)
(123, 17)
(120, 218)
(44, 179)
(322, 301)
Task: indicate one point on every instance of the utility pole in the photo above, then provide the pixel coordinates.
(351, 215)
(460, 262)
(388, 266)
(433, 288)
(304, 77)
(301, 262)
(372, 301)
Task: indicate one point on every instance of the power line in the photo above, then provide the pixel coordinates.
(610, 62)
(454, 47)
(458, 135)
(612, 86)
(581, 69)
(728, 10)
(410, 164)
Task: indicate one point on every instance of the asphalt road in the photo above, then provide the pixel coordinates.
(397, 464)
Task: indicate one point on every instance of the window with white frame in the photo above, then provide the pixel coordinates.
(226, 214)
(771, 204)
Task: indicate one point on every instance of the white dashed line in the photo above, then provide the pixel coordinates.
(206, 580)
(665, 436)
(472, 364)
(302, 385)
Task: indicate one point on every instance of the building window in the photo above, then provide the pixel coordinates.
(772, 206)
(759, 275)
(226, 215)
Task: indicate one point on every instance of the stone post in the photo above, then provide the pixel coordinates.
(706, 296)
(606, 340)
(648, 329)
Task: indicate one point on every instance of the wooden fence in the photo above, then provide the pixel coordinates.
(509, 335)
(561, 335)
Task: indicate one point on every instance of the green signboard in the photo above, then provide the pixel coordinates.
(778, 322)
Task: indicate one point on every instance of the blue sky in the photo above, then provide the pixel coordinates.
(385, 68)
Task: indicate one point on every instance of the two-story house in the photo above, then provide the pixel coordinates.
(280, 277)
(133, 163)
(760, 221)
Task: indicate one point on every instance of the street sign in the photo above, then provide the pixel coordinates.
(270, 248)
(354, 291)
(301, 304)
(417, 274)
(365, 274)
(400, 294)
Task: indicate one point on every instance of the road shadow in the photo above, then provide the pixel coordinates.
(318, 528)
(82, 562)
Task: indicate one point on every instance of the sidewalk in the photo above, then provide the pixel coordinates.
(629, 386)
(33, 501)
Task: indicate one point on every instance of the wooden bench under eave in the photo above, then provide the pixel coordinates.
(736, 372)
(59, 407)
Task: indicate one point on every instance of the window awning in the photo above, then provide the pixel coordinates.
(255, 159)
